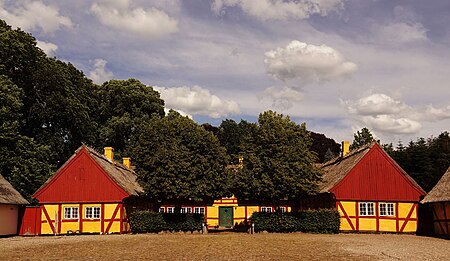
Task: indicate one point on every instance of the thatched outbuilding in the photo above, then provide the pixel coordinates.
(10, 204)
(438, 200)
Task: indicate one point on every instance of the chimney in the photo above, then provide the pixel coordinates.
(345, 147)
(127, 162)
(109, 153)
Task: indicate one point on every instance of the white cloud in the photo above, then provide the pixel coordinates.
(29, 15)
(282, 98)
(391, 124)
(151, 23)
(100, 74)
(279, 9)
(375, 104)
(307, 62)
(47, 47)
(166, 110)
(197, 100)
(398, 33)
(431, 113)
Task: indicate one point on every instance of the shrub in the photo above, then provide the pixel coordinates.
(313, 221)
(153, 222)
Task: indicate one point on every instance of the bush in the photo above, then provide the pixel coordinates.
(153, 222)
(313, 221)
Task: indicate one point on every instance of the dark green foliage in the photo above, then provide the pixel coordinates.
(424, 160)
(325, 148)
(232, 136)
(178, 159)
(147, 222)
(324, 221)
(277, 161)
(153, 222)
(361, 138)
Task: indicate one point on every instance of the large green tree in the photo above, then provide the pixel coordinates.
(122, 106)
(179, 160)
(278, 163)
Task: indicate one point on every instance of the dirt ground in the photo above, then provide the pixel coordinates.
(226, 246)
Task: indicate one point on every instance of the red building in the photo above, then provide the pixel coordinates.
(90, 193)
(370, 191)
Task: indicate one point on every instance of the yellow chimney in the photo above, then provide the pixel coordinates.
(127, 162)
(345, 147)
(109, 153)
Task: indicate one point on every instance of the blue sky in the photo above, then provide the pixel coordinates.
(336, 65)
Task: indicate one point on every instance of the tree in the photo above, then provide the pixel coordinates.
(361, 138)
(123, 105)
(277, 161)
(179, 160)
(23, 162)
(323, 145)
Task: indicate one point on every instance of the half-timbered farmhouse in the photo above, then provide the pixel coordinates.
(11, 203)
(90, 193)
(370, 191)
(439, 201)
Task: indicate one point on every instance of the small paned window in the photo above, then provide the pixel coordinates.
(266, 209)
(70, 212)
(282, 209)
(387, 209)
(199, 210)
(366, 209)
(161, 210)
(92, 212)
(170, 209)
(186, 210)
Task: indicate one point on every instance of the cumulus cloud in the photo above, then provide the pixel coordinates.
(282, 98)
(47, 47)
(29, 15)
(279, 9)
(386, 114)
(307, 62)
(391, 124)
(197, 100)
(100, 74)
(151, 23)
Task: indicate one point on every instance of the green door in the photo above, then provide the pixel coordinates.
(226, 216)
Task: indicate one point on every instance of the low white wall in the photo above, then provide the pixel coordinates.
(9, 216)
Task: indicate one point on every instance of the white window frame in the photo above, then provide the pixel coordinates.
(93, 212)
(170, 210)
(266, 209)
(386, 209)
(161, 210)
(366, 209)
(71, 212)
(199, 210)
(186, 210)
(283, 209)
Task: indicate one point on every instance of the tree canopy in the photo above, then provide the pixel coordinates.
(361, 138)
(179, 160)
(277, 161)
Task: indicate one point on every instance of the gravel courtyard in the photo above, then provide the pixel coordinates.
(226, 246)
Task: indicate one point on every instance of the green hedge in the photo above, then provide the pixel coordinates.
(153, 222)
(312, 221)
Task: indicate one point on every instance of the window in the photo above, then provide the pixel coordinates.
(366, 209)
(92, 212)
(282, 209)
(161, 210)
(70, 212)
(199, 210)
(387, 209)
(170, 209)
(186, 210)
(266, 209)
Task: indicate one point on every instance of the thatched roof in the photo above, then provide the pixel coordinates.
(8, 195)
(122, 176)
(336, 169)
(440, 192)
